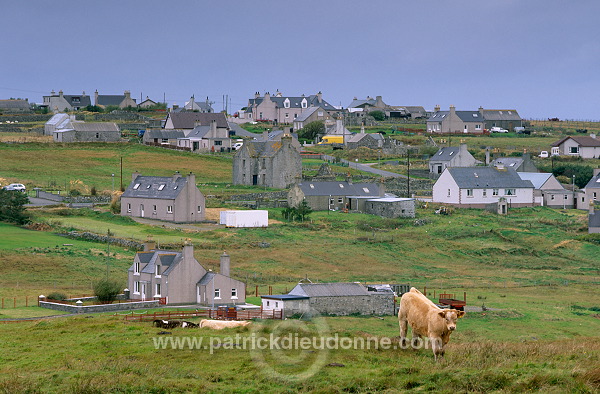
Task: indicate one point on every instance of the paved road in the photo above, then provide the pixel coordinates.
(367, 168)
(177, 226)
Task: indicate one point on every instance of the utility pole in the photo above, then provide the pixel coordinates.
(121, 173)
(408, 173)
(108, 252)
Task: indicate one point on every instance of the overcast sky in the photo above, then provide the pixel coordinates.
(540, 57)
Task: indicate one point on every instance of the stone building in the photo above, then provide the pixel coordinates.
(270, 163)
(174, 199)
(65, 102)
(15, 106)
(333, 195)
(390, 207)
(451, 156)
(339, 299)
(88, 132)
(114, 100)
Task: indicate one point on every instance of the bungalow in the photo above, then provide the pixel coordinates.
(114, 100)
(332, 299)
(63, 102)
(593, 221)
(13, 106)
(451, 156)
(586, 147)
(334, 195)
(454, 121)
(201, 106)
(478, 187)
(88, 132)
(206, 138)
(189, 120)
(519, 164)
(312, 114)
(174, 199)
(178, 278)
(548, 191)
(591, 192)
(147, 103)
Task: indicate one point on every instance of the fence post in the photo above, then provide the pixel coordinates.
(26, 301)
(14, 302)
(2, 302)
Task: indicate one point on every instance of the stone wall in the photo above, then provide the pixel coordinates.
(125, 306)
(126, 243)
(372, 304)
(391, 209)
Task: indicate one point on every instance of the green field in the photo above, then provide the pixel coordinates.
(536, 271)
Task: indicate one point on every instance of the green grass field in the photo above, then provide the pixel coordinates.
(536, 270)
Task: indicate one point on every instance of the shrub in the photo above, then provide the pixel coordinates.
(74, 193)
(106, 291)
(378, 115)
(57, 296)
(93, 191)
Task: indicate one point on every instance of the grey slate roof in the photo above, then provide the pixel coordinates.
(150, 187)
(359, 136)
(14, 104)
(262, 148)
(509, 162)
(166, 258)
(110, 99)
(162, 133)
(187, 120)
(487, 177)
(60, 121)
(594, 182)
(305, 114)
(445, 154)
(339, 188)
(98, 126)
(284, 297)
(501, 114)
(240, 132)
(329, 289)
(465, 116)
(536, 178)
(77, 100)
(198, 132)
(207, 278)
(295, 102)
(358, 103)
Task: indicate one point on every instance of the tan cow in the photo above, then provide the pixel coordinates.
(426, 320)
(221, 324)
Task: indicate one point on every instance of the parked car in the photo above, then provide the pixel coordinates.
(15, 186)
(498, 130)
(543, 153)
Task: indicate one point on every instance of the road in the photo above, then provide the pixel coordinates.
(367, 168)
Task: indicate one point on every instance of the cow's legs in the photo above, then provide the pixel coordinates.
(403, 329)
(438, 348)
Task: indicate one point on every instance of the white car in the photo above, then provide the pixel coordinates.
(543, 154)
(498, 130)
(15, 186)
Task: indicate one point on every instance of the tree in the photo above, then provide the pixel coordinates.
(378, 115)
(106, 291)
(311, 130)
(12, 206)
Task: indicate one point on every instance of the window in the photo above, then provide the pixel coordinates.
(320, 113)
(233, 293)
(154, 208)
(218, 142)
(366, 189)
(260, 115)
(484, 193)
(97, 135)
(287, 115)
(594, 195)
(509, 192)
(286, 104)
(552, 197)
(574, 150)
(136, 186)
(199, 208)
(136, 268)
(136, 287)
(165, 140)
(566, 197)
(448, 192)
(157, 270)
(128, 208)
(161, 187)
(477, 127)
(268, 303)
(340, 200)
(494, 192)
(157, 288)
(469, 192)
(218, 294)
(169, 209)
(276, 304)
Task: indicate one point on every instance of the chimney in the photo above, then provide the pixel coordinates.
(83, 93)
(52, 93)
(452, 110)
(462, 149)
(481, 111)
(188, 251)
(278, 93)
(286, 139)
(596, 171)
(349, 178)
(134, 175)
(379, 102)
(265, 135)
(191, 179)
(381, 187)
(267, 96)
(362, 128)
(149, 245)
(197, 123)
(127, 94)
(60, 93)
(176, 176)
(436, 108)
(213, 128)
(320, 97)
(487, 155)
(256, 95)
(225, 264)
(339, 125)
(96, 97)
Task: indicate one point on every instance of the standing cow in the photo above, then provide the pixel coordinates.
(426, 320)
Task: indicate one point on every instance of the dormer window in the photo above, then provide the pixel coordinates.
(475, 115)
(161, 187)
(136, 186)
(286, 103)
(136, 268)
(304, 103)
(157, 270)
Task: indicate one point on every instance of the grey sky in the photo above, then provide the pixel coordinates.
(541, 57)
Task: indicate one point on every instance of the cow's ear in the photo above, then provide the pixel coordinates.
(442, 314)
(460, 314)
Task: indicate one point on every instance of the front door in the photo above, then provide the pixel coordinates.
(142, 210)
(143, 291)
(255, 179)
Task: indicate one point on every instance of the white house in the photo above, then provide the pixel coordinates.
(548, 191)
(477, 187)
(582, 146)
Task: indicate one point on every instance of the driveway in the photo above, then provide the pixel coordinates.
(367, 168)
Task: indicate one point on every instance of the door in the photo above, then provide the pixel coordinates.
(195, 145)
(143, 291)
(142, 210)
(255, 179)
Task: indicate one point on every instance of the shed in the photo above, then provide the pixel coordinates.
(288, 304)
(253, 218)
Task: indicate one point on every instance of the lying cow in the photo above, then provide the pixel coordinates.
(426, 320)
(189, 324)
(166, 323)
(221, 324)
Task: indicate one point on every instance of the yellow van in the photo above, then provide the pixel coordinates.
(332, 139)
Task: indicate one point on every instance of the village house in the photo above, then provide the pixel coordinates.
(198, 106)
(519, 164)
(548, 191)
(313, 114)
(157, 137)
(593, 220)
(176, 277)
(586, 147)
(267, 163)
(504, 118)
(454, 121)
(391, 111)
(340, 299)
(147, 103)
(206, 138)
(190, 120)
(174, 199)
(334, 195)
(477, 187)
(114, 100)
(65, 102)
(15, 106)
(87, 132)
(590, 194)
(282, 109)
(451, 156)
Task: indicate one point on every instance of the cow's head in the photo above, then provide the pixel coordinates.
(450, 316)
